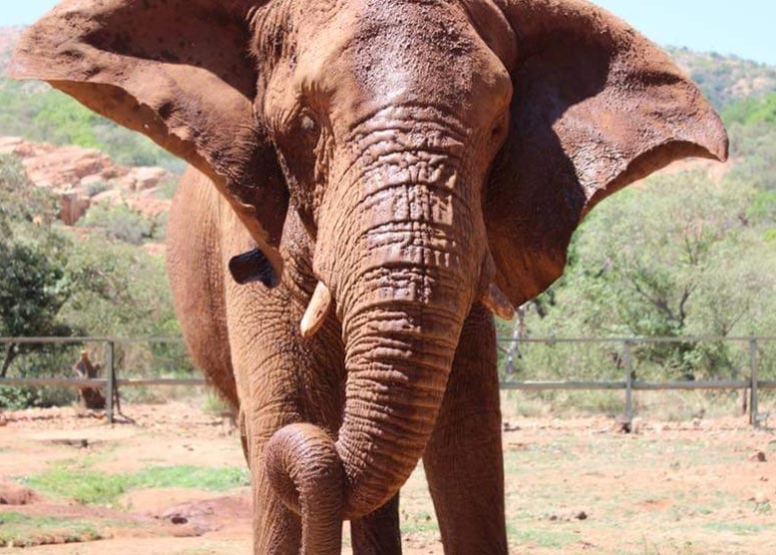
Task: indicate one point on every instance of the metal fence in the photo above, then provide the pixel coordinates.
(627, 364)
(632, 364)
(132, 371)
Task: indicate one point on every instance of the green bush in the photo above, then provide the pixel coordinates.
(58, 283)
(16, 397)
(680, 255)
(120, 223)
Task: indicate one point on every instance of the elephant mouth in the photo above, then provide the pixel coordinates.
(321, 302)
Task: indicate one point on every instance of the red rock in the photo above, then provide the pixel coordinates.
(70, 172)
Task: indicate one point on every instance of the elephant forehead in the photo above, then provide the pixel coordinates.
(398, 45)
(368, 54)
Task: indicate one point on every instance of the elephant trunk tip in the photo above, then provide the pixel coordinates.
(305, 470)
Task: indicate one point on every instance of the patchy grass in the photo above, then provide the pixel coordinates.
(215, 405)
(18, 530)
(89, 487)
(550, 539)
(741, 528)
(86, 487)
(209, 479)
(418, 522)
(686, 548)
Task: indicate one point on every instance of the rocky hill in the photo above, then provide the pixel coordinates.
(726, 79)
(84, 177)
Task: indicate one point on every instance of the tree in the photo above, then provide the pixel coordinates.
(58, 283)
(680, 255)
(32, 261)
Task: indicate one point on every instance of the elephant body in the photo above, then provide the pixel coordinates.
(252, 333)
(370, 180)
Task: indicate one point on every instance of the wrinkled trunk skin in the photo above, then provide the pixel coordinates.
(399, 248)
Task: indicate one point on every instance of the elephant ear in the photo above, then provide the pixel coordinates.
(178, 71)
(596, 106)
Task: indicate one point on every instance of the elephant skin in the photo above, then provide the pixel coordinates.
(368, 180)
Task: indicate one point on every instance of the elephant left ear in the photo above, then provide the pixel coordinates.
(180, 72)
(596, 107)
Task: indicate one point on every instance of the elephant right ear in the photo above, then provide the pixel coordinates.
(596, 106)
(178, 71)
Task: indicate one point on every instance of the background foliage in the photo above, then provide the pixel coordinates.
(56, 282)
(39, 113)
(690, 252)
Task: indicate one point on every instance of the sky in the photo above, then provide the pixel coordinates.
(744, 28)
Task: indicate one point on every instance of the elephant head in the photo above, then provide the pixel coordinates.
(439, 153)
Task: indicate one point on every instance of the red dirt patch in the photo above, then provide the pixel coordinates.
(678, 487)
(16, 495)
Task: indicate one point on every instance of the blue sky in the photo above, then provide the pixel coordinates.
(741, 27)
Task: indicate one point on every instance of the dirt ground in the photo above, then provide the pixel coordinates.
(573, 486)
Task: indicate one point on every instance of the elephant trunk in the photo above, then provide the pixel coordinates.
(399, 356)
(403, 267)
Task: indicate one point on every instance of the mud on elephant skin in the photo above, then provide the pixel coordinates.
(375, 174)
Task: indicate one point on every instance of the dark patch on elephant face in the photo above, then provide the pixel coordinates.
(253, 266)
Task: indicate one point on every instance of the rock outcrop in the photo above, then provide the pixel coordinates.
(84, 177)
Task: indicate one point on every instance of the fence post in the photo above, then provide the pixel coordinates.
(111, 377)
(628, 359)
(754, 409)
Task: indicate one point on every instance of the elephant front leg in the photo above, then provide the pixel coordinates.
(464, 460)
(378, 533)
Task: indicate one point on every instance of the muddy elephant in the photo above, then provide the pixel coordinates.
(369, 180)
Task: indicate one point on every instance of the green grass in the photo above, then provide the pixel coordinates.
(18, 530)
(553, 539)
(418, 522)
(90, 487)
(209, 479)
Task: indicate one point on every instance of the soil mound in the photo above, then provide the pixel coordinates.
(16, 495)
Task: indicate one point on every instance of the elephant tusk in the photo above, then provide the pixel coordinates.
(316, 312)
(498, 303)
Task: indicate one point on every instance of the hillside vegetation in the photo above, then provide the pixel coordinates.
(95, 279)
(691, 252)
(723, 79)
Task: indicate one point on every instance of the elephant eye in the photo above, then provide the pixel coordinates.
(308, 123)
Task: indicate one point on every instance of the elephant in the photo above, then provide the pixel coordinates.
(369, 181)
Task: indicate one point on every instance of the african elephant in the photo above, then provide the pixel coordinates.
(370, 179)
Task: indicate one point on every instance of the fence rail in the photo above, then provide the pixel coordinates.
(629, 384)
